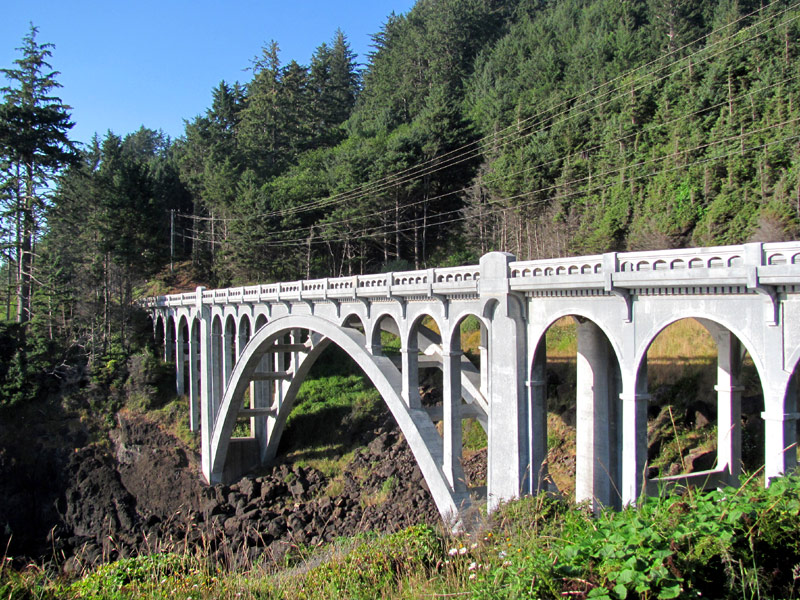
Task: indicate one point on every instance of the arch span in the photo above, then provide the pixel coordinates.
(415, 423)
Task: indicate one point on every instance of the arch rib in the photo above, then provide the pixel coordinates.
(415, 424)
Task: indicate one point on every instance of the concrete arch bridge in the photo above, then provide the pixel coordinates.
(263, 340)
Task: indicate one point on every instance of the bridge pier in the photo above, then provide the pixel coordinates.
(451, 417)
(597, 455)
(729, 407)
(508, 461)
(634, 401)
(180, 358)
(194, 376)
(537, 402)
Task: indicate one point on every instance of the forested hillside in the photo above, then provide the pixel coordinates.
(539, 128)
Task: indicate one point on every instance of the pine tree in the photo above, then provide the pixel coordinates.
(33, 140)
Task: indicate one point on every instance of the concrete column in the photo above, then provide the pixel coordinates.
(509, 441)
(451, 419)
(260, 397)
(169, 339)
(729, 406)
(180, 359)
(207, 378)
(484, 354)
(409, 368)
(537, 411)
(228, 355)
(597, 450)
(780, 429)
(194, 377)
(634, 399)
(217, 377)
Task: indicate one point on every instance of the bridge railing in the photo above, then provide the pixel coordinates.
(744, 265)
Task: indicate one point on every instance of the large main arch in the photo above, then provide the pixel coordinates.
(416, 425)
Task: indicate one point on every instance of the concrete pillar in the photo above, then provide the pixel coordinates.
(180, 360)
(509, 442)
(451, 419)
(484, 354)
(537, 411)
(169, 339)
(207, 378)
(597, 451)
(194, 377)
(228, 354)
(729, 406)
(409, 369)
(780, 428)
(634, 399)
(260, 397)
(217, 377)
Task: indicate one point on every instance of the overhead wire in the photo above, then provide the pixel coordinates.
(647, 129)
(381, 232)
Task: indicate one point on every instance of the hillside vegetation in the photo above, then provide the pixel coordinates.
(722, 544)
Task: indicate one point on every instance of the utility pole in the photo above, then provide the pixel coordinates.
(171, 237)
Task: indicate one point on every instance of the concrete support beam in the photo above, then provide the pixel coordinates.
(729, 406)
(207, 378)
(194, 377)
(780, 429)
(180, 362)
(409, 369)
(228, 355)
(451, 420)
(634, 399)
(597, 450)
(537, 411)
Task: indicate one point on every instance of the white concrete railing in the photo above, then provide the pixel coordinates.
(744, 265)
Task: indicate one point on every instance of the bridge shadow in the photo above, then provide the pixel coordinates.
(337, 410)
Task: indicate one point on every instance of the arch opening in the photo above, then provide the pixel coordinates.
(704, 409)
(576, 412)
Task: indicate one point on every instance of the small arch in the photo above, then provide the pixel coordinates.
(696, 263)
(677, 264)
(735, 261)
(586, 270)
(715, 262)
(643, 265)
(777, 259)
(537, 272)
(574, 269)
(561, 270)
(660, 265)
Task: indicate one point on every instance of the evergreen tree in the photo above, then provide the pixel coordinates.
(34, 143)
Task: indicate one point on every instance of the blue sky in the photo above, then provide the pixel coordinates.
(144, 62)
